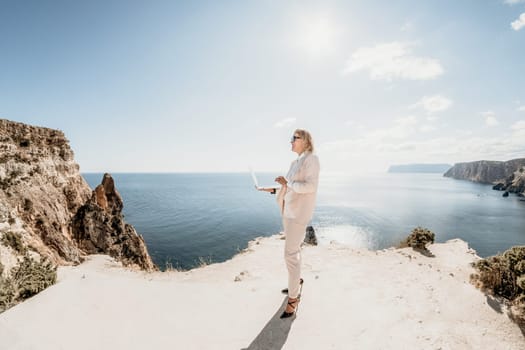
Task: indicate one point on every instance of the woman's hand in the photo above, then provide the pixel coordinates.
(271, 190)
(281, 180)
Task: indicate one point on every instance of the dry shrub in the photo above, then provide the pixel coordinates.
(26, 279)
(418, 240)
(204, 261)
(14, 240)
(504, 276)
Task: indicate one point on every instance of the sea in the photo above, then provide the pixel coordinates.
(188, 219)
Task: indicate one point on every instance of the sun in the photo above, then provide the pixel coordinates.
(316, 34)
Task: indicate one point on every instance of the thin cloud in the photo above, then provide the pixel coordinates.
(520, 125)
(490, 119)
(521, 109)
(408, 139)
(432, 104)
(393, 60)
(513, 2)
(519, 23)
(517, 137)
(440, 149)
(400, 130)
(409, 120)
(287, 122)
(403, 128)
(427, 128)
(407, 26)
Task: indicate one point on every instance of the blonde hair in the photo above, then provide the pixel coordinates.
(308, 141)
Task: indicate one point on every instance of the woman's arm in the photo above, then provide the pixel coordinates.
(311, 180)
(270, 190)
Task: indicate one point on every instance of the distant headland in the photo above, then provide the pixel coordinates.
(419, 168)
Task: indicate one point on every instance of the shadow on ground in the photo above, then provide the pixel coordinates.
(516, 316)
(494, 304)
(274, 334)
(424, 252)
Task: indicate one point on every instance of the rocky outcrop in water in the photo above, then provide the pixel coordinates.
(50, 209)
(99, 227)
(518, 183)
(513, 184)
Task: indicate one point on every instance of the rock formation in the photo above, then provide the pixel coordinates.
(99, 227)
(506, 176)
(485, 171)
(47, 204)
(310, 237)
(515, 183)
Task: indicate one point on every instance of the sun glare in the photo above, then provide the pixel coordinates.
(316, 34)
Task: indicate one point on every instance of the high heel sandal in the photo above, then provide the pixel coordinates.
(295, 302)
(285, 290)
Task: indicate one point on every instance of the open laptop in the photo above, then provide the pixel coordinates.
(262, 188)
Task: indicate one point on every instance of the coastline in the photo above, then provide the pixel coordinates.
(352, 298)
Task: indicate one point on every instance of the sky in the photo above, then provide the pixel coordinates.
(220, 86)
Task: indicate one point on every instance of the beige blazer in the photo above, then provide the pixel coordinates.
(297, 203)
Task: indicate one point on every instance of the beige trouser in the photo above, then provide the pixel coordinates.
(294, 233)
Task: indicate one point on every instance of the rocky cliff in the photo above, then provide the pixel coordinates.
(508, 176)
(98, 227)
(513, 184)
(50, 211)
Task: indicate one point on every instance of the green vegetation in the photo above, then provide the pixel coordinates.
(26, 279)
(504, 276)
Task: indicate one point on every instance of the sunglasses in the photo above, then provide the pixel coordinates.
(295, 138)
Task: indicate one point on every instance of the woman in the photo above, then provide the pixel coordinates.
(296, 199)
